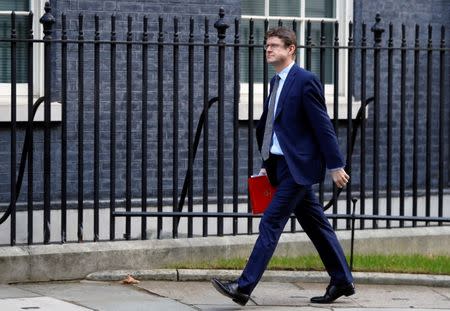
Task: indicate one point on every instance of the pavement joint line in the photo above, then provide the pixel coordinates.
(180, 275)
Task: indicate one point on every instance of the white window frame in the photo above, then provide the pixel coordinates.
(37, 7)
(344, 14)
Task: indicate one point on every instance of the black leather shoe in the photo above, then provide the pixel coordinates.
(231, 289)
(334, 292)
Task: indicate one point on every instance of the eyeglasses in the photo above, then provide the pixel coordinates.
(272, 46)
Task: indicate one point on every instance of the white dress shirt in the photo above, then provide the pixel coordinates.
(276, 148)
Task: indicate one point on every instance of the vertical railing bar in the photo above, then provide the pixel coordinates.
(80, 127)
(322, 80)
(265, 65)
(47, 20)
(30, 133)
(376, 117)
(236, 125)
(206, 126)
(144, 128)
(350, 82)
(389, 129)
(96, 126)
(308, 45)
(191, 125)
(63, 129)
(293, 218)
(175, 125)
(250, 129)
(429, 123)
(112, 151)
(129, 87)
(221, 27)
(160, 124)
(13, 128)
(362, 201)
(335, 107)
(416, 121)
(442, 81)
(402, 124)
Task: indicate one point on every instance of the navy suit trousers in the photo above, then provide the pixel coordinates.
(300, 200)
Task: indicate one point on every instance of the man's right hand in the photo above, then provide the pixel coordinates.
(340, 177)
(262, 172)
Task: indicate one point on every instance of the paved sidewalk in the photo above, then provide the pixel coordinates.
(166, 295)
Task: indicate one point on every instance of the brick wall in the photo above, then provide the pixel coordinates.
(183, 10)
(436, 13)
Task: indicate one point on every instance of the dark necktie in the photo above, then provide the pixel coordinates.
(268, 130)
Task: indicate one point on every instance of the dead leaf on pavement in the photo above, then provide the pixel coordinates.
(129, 280)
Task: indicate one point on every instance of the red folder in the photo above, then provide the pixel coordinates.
(260, 193)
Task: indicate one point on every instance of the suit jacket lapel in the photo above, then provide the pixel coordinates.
(286, 86)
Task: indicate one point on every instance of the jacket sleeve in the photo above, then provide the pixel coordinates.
(314, 103)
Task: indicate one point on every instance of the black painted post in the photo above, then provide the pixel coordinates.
(191, 154)
(47, 20)
(308, 45)
(441, 124)
(175, 97)
(350, 91)
(80, 128)
(13, 127)
(335, 106)
(221, 27)
(389, 125)
(362, 198)
(402, 123)
(144, 127)
(236, 124)
(205, 126)
(352, 241)
(377, 32)
(429, 123)
(112, 150)
(129, 120)
(96, 128)
(250, 129)
(30, 133)
(63, 129)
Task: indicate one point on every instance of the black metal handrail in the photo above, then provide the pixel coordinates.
(23, 162)
(356, 124)
(187, 178)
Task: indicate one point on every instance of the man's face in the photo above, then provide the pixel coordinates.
(277, 53)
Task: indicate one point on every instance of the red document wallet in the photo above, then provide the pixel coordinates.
(260, 193)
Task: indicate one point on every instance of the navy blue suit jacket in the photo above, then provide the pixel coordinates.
(303, 127)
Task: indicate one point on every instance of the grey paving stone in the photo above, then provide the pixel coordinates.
(38, 303)
(190, 293)
(389, 296)
(7, 291)
(105, 296)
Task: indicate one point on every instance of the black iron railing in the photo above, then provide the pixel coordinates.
(129, 105)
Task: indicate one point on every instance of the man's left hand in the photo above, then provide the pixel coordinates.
(340, 177)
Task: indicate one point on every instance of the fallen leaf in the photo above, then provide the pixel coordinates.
(129, 280)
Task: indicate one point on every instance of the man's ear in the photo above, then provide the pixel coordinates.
(291, 49)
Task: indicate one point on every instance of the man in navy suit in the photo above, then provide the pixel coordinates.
(297, 143)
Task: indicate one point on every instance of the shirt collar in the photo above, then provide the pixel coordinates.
(283, 73)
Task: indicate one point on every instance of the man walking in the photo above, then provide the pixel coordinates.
(297, 143)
